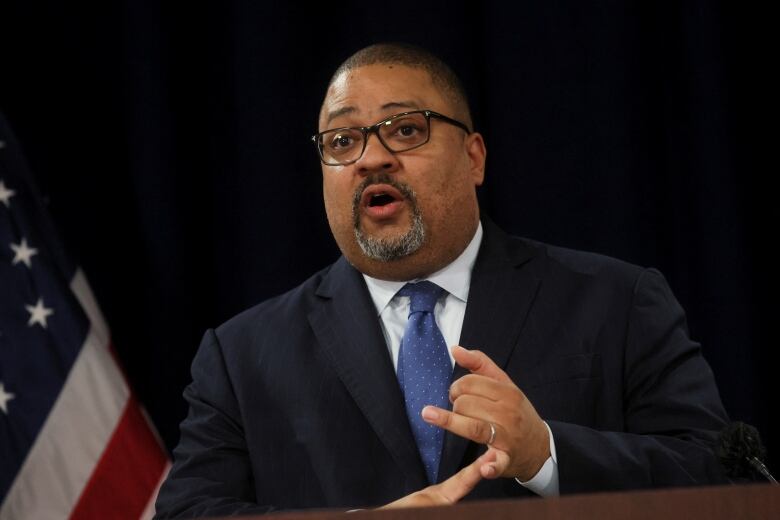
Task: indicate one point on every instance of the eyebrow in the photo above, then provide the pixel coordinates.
(393, 104)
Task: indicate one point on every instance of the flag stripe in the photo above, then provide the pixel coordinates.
(149, 510)
(72, 439)
(86, 299)
(132, 450)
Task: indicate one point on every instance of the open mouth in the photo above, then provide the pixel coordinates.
(381, 201)
(380, 195)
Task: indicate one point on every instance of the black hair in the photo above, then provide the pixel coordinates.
(418, 58)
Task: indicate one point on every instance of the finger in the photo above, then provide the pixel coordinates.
(476, 384)
(497, 467)
(478, 363)
(476, 430)
(461, 483)
(478, 408)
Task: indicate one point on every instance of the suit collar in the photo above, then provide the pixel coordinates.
(504, 285)
(347, 327)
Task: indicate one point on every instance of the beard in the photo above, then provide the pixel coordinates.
(390, 248)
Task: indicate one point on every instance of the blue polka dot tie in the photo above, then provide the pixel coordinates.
(424, 370)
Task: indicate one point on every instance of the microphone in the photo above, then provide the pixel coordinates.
(741, 453)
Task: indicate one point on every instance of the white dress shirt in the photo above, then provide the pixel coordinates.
(455, 279)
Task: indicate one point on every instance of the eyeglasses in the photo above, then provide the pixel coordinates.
(398, 133)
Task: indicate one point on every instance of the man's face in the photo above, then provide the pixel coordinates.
(413, 212)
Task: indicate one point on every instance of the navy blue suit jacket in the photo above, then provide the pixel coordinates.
(295, 403)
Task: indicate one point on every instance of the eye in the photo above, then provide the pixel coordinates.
(341, 141)
(408, 130)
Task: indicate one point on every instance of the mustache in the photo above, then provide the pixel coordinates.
(382, 178)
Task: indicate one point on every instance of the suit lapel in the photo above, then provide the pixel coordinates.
(501, 293)
(347, 327)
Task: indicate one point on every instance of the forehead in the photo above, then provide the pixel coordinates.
(366, 94)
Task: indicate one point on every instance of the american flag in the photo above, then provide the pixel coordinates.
(74, 441)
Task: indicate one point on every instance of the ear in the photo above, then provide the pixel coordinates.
(476, 151)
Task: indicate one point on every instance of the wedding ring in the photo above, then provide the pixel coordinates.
(492, 434)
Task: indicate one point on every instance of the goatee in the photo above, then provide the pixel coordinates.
(390, 248)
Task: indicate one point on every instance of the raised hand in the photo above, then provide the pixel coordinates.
(488, 408)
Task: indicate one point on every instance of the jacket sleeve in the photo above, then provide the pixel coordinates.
(211, 473)
(671, 408)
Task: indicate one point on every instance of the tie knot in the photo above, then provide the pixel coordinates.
(423, 295)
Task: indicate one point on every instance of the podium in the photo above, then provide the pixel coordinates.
(755, 501)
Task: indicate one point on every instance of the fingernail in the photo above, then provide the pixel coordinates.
(430, 413)
(489, 471)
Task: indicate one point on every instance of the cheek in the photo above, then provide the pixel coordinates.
(448, 189)
(338, 199)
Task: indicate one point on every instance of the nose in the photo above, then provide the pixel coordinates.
(376, 157)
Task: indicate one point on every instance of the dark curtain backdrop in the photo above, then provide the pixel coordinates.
(172, 142)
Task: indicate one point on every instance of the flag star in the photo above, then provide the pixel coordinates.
(4, 398)
(24, 253)
(38, 313)
(5, 194)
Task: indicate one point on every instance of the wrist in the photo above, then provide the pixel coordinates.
(539, 456)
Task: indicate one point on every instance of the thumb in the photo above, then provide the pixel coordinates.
(478, 363)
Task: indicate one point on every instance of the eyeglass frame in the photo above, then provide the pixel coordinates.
(367, 130)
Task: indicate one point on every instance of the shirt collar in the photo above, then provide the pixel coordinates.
(455, 278)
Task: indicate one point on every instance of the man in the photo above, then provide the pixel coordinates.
(578, 373)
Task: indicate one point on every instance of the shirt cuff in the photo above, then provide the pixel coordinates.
(545, 482)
